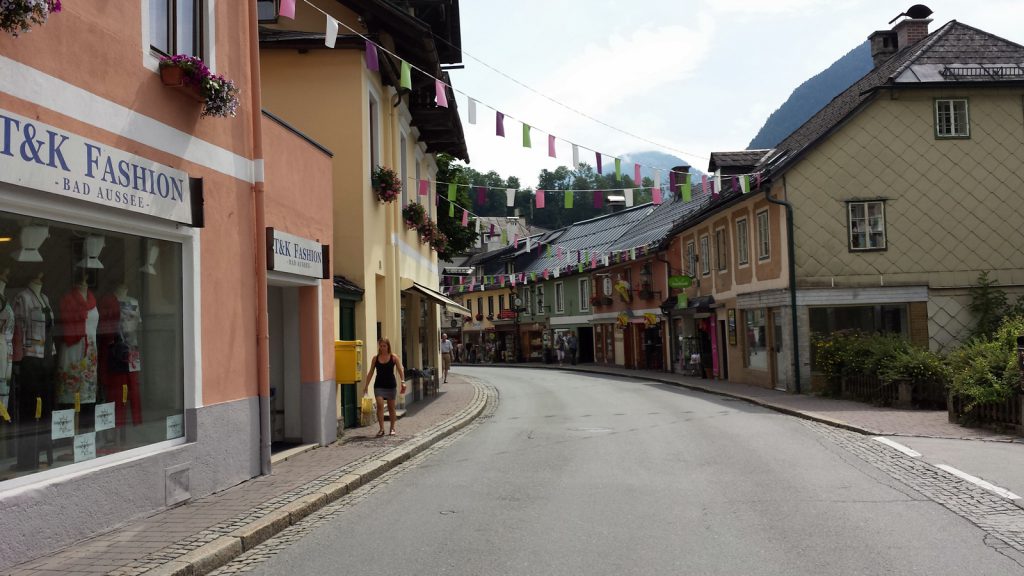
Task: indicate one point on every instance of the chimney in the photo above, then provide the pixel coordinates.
(911, 31)
(883, 46)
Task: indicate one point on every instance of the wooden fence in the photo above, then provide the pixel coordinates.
(1003, 415)
(869, 388)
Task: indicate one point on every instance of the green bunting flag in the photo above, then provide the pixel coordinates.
(568, 198)
(681, 301)
(618, 170)
(451, 200)
(526, 136)
(406, 81)
(745, 183)
(580, 267)
(686, 188)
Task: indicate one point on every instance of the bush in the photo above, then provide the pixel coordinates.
(917, 365)
(846, 354)
(985, 370)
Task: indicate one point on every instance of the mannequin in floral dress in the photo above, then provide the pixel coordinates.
(76, 362)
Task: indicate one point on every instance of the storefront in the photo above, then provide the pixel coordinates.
(302, 403)
(95, 302)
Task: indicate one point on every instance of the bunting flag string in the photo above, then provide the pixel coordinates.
(372, 49)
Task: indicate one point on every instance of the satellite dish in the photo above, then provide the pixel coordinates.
(917, 11)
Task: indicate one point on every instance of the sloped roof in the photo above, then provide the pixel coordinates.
(595, 235)
(737, 158)
(656, 226)
(951, 45)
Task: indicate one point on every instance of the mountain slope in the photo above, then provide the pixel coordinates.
(812, 95)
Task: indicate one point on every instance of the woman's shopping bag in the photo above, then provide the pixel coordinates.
(368, 411)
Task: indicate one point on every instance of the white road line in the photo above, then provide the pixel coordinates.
(898, 446)
(975, 480)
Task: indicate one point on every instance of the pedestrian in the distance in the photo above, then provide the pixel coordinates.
(385, 388)
(570, 343)
(446, 355)
(560, 348)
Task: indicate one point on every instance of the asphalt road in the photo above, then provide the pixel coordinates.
(577, 474)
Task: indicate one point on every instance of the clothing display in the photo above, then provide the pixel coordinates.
(6, 352)
(119, 358)
(34, 352)
(76, 365)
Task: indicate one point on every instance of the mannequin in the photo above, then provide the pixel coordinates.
(76, 365)
(120, 362)
(33, 356)
(6, 347)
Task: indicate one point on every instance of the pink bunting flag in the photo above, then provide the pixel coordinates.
(512, 280)
(491, 234)
(656, 196)
(287, 9)
(515, 240)
(545, 274)
(539, 199)
(499, 124)
(441, 94)
(371, 57)
(593, 260)
(551, 145)
(636, 174)
(757, 180)
(598, 199)
(600, 170)
(560, 254)
(465, 218)
(462, 280)
(424, 188)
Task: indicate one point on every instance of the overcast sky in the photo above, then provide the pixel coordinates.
(695, 76)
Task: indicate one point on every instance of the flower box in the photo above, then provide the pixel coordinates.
(174, 77)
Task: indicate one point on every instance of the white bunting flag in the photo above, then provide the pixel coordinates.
(575, 157)
(628, 193)
(332, 32)
(657, 178)
(472, 111)
(510, 197)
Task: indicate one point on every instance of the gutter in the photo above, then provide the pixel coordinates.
(259, 243)
(791, 251)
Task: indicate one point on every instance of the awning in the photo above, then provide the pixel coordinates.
(697, 304)
(450, 305)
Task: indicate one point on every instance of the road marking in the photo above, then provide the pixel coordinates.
(898, 446)
(975, 480)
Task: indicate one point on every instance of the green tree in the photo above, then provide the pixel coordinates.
(988, 303)
(460, 238)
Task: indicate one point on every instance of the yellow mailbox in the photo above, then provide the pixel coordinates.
(348, 360)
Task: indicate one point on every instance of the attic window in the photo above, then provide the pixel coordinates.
(951, 120)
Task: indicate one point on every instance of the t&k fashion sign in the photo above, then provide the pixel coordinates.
(296, 255)
(43, 157)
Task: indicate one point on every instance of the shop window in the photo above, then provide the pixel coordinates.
(501, 303)
(584, 294)
(95, 358)
(177, 26)
(490, 307)
(879, 319)
(267, 11)
(756, 339)
(559, 298)
(867, 225)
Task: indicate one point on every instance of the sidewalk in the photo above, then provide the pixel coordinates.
(205, 533)
(856, 416)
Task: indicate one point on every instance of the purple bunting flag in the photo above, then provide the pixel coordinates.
(481, 195)
(371, 57)
(636, 174)
(600, 169)
(499, 124)
(598, 199)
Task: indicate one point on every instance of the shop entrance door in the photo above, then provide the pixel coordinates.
(778, 382)
(285, 390)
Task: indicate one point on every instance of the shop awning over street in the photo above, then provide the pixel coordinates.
(450, 305)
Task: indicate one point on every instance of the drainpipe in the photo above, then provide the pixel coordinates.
(791, 251)
(671, 325)
(259, 243)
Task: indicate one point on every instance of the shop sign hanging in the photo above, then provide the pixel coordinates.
(296, 255)
(43, 157)
(679, 282)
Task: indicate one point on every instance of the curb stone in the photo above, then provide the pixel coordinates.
(219, 552)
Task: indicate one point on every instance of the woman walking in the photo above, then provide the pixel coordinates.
(385, 364)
